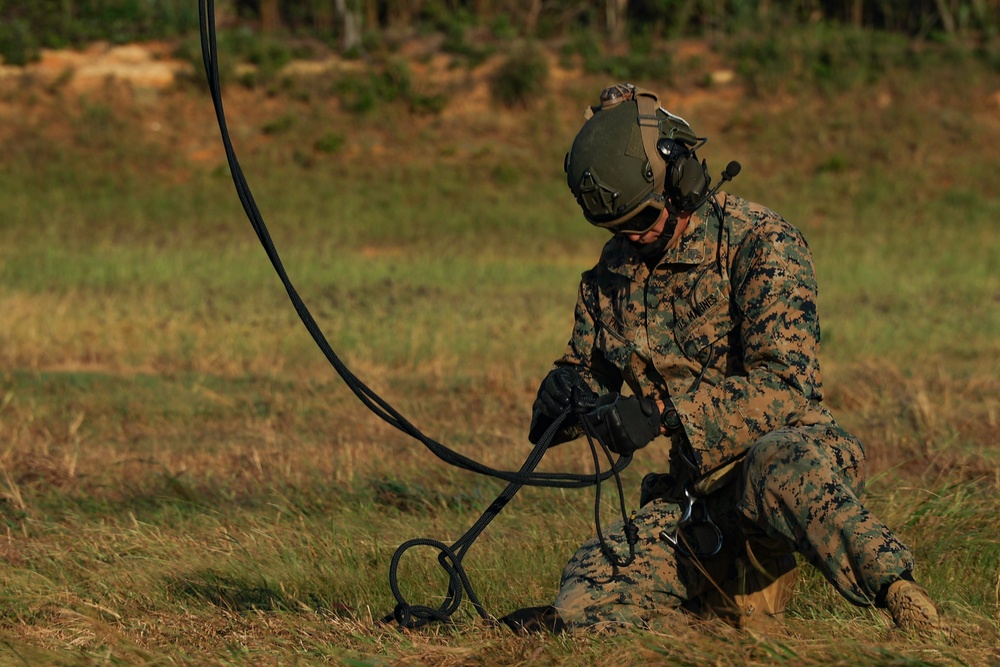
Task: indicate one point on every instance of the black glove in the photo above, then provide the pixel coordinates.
(624, 424)
(556, 392)
(561, 388)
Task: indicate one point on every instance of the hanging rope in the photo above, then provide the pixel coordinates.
(450, 557)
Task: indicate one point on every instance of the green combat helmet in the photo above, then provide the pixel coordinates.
(631, 159)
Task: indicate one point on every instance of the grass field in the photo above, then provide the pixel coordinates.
(183, 479)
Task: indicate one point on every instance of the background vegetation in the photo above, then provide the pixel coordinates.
(358, 26)
(184, 480)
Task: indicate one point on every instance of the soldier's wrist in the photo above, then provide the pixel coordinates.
(670, 418)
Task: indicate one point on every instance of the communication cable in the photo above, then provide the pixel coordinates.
(450, 557)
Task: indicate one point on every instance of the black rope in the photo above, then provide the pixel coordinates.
(450, 557)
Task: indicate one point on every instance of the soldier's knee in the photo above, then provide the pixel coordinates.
(773, 473)
(773, 458)
(581, 606)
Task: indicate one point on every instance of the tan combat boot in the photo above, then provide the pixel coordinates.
(756, 598)
(765, 593)
(911, 608)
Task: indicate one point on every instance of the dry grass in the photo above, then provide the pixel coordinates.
(183, 480)
(264, 538)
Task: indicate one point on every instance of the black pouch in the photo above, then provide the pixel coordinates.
(660, 485)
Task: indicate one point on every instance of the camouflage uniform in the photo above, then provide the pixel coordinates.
(726, 326)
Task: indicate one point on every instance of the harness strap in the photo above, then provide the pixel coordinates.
(649, 126)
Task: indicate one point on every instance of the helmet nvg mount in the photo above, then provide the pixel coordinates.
(631, 159)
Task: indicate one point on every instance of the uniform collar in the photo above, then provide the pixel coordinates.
(620, 257)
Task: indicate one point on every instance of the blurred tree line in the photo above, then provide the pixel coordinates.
(28, 25)
(614, 18)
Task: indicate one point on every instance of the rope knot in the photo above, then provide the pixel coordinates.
(631, 532)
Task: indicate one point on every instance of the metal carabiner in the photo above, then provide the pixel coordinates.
(687, 546)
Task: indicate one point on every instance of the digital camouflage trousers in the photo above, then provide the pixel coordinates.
(798, 491)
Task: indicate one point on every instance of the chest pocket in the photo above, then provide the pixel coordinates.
(617, 322)
(617, 348)
(702, 315)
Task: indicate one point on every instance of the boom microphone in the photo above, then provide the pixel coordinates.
(732, 170)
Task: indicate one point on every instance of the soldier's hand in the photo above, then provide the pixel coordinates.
(624, 424)
(560, 388)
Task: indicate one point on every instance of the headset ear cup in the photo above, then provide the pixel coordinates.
(688, 182)
(676, 178)
(686, 179)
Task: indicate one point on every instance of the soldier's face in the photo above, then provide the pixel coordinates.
(653, 232)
